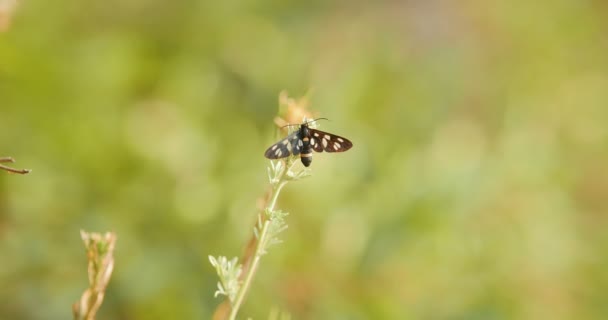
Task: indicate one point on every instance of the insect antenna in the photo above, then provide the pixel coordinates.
(313, 120)
(287, 125)
(307, 122)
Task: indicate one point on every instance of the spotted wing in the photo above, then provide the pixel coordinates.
(292, 144)
(320, 141)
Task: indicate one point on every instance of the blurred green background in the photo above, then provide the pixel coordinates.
(477, 187)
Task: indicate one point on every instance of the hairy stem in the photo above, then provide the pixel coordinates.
(250, 273)
(275, 195)
(251, 262)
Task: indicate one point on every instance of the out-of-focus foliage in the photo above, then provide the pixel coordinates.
(477, 187)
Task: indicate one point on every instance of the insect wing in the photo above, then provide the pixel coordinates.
(329, 142)
(316, 143)
(284, 148)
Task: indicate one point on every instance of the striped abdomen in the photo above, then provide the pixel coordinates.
(306, 154)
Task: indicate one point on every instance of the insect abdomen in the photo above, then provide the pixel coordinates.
(306, 154)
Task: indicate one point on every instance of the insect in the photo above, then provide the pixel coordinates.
(303, 141)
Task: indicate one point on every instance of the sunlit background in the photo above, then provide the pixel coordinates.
(477, 187)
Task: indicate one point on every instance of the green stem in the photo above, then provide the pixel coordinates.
(260, 248)
(275, 195)
(251, 272)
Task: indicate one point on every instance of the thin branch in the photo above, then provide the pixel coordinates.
(9, 169)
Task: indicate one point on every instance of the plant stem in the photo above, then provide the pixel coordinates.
(277, 186)
(100, 250)
(275, 195)
(9, 169)
(251, 272)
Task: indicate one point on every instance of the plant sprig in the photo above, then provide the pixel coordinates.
(10, 169)
(235, 279)
(100, 255)
(228, 272)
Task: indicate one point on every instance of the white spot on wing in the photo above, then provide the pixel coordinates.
(324, 143)
(277, 152)
(326, 137)
(340, 139)
(285, 142)
(316, 134)
(274, 147)
(336, 146)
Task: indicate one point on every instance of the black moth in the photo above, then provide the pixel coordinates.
(304, 141)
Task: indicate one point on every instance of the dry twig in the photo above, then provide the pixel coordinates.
(13, 170)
